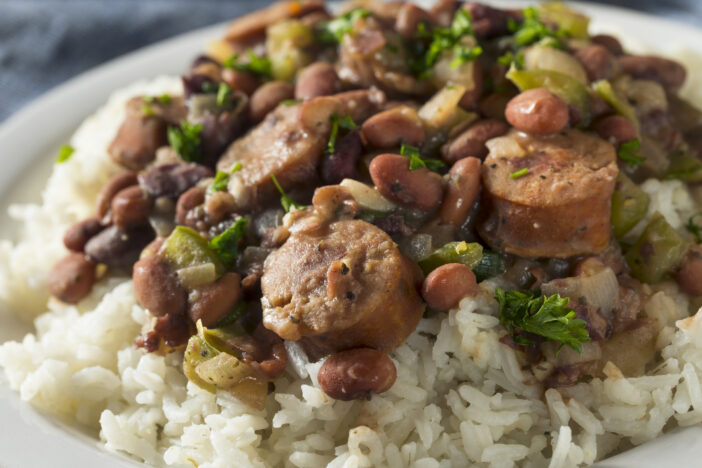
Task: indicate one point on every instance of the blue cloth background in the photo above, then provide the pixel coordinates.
(45, 42)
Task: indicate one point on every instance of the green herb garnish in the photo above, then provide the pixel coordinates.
(165, 99)
(226, 245)
(339, 122)
(509, 59)
(417, 161)
(288, 203)
(237, 312)
(444, 39)
(65, 153)
(223, 93)
(221, 179)
(519, 173)
(549, 317)
(290, 102)
(629, 153)
(333, 32)
(532, 30)
(147, 110)
(695, 228)
(186, 140)
(260, 66)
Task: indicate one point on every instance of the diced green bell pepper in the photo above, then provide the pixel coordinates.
(629, 205)
(657, 252)
(186, 248)
(453, 252)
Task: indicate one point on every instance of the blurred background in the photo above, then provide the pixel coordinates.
(45, 42)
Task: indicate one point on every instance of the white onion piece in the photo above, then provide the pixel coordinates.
(197, 275)
(298, 358)
(600, 290)
(367, 197)
(442, 112)
(548, 58)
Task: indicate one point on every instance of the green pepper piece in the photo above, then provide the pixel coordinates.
(185, 248)
(629, 205)
(453, 252)
(657, 252)
(604, 89)
(565, 87)
(568, 21)
(492, 264)
(684, 166)
(197, 352)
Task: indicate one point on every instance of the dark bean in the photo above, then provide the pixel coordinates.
(72, 278)
(267, 97)
(616, 129)
(116, 184)
(444, 287)
(77, 235)
(420, 188)
(443, 11)
(186, 202)
(318, 79)
(392, 127)
(610, 42)
(493, 105)
(356, 373)
(138, 138)
(171, 180)
(408, 19)
(211, 303)
(670, 74)
(240, 80)
(487, 21)
(472, 141)
(131, 207)
(690, 275)
(342, 163)
(119, 249)
(598, 62)
(310, 20)
(538, 112)
(462, 189)
(157, 288)
(599, 107)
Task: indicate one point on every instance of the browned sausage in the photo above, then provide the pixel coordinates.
(253, 26)
(548, 196)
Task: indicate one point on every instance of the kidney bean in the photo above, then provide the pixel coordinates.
(138, 138)
(116, 184)
(472, 141)
(668, 73)
(443, 11)
(189, 200)
(341, 164)
(356, 373)
(420, 188)
(472, 97)
(171, 180)
(689, 276)
(131, 207)
(493, 105)
(318, 79)
(616, 129)
(117, 248)
(310, 20)
(392, 127)
(599, 107)
(240, 80)
(77, 235)
(72, 278)
(157, 288)
(538, 112)
(462, 190)
(610, 42)
(267, 97)
(408, 19)
(444, 287)
(487, 21)
(219, 205)
(598, 62)
(211, 303)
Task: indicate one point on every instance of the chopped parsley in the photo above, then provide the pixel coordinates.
(694, 228)
(549, 317)
(226, 245)
(260, 66)
(417, 161)
(147, 110)
(288, 203)
(533, 30)
(519, 173)
(629, 153)
(223, 93)
(339, 122)
(333, 32)
(236, 313)
(162, 99)
(221, 179)
(290, 102)
(510, 58)
(65, 153)
(186, 140)
(444, 39)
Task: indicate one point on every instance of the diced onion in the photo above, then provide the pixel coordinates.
(548, 58)
(367, 197)
(197, 275)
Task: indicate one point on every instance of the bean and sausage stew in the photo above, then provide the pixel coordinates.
(325, 181)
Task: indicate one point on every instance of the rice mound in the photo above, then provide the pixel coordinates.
(460, 397)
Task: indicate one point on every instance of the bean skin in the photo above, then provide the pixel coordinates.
(131, 207)
(318, 79)
(117, 248)
(356, 373)
(444, 287)
(462, 190)
(408, 19)
(670, 74)
(214, 301)
(472, 141)
(538, 112)
(392, 127)
(77, 235)
(186, 202)
(420, 188)
(72, 278)
(616, 129)
(267, 97)
(116, 184)
(219, 205)
(689, 276)
(610, 42)
(342, 163)
(598, 62)
(157, 288)
(240, 80)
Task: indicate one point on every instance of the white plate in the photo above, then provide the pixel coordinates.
(28, 143)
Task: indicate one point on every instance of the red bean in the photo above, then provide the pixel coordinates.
(267, 97)
(420, 189)
(191, 199)
(616, 129)
(80, 233)
(444, 287)
(157, 288)
(408, 19)
(392, 127)
(211, 303)
(72, 278)
(356, 373)
(689, 276)
(538, 112)
(472, 141)
(242, 81)
(462, 191)
(116, 184)
(131, 207)
(610, 42)
(670, 74)
(598, 62)
(318, 79)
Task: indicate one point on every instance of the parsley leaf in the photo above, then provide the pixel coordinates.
(186, 140)
(65, 153)
(417, 161)
(532, 30)
(226, 245)
(333, 32)
(694, 228)
(165, 99)
(339, 122)
(549, 317)
(223, 93)
(147, 110)
(510, 58)
(444, 39)
(221, 179)
(260, 66)
(290, 102)
(519, 173)
(288, 203)
(629, 153)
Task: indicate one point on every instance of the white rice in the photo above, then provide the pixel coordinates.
(460, 398)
